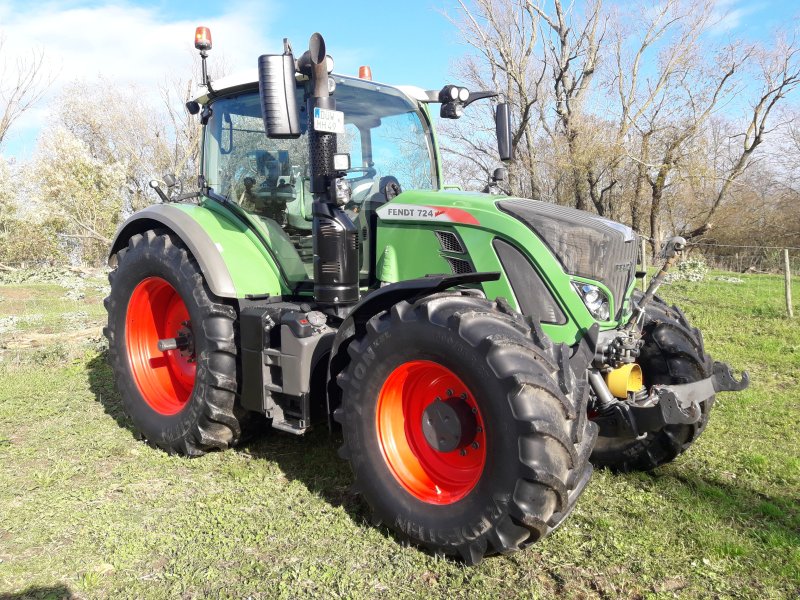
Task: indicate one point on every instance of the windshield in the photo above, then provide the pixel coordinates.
(385, 133)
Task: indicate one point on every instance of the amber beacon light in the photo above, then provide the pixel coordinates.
(202, 38)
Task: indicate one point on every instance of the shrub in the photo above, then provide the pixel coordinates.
(691, 269)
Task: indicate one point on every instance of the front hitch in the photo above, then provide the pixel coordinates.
(724, 381)
(665, 404)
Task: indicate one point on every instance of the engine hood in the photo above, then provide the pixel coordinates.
(584, 246)
(587, 245)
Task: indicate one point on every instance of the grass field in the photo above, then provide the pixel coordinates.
(87, 511)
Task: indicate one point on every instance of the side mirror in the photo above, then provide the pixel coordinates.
(502, 119)
(276, 86)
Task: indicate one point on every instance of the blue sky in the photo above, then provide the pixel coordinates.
(142, 42)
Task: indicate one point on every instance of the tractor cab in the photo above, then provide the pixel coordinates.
(385, 133)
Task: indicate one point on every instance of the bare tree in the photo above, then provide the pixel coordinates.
(185, 131)
(23, 82)
(778, 74)
(504, 34)
(573, 53)
(698, 90)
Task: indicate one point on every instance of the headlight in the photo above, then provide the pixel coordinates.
(595, 300)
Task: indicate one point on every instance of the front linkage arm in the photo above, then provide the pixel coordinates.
(672, 250)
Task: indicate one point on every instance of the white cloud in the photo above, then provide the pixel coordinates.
(123, 43)
(729, 15)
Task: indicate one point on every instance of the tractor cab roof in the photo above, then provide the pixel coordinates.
(248, 79)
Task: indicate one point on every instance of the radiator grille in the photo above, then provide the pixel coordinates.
(587, 245)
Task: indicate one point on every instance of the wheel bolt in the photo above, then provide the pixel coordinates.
(437, 399)
(475, 445)
(449, 393)
(474, 410)
(478, 429)
(463, 452)
(464, 396)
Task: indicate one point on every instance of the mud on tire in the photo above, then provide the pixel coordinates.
(202, 415)
(673, 353)
(537, 437)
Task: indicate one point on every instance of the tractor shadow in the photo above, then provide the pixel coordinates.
(101, 382)
(311, 459)
(55, 592)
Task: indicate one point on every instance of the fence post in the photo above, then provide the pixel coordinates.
(788, 274)
(643, 251)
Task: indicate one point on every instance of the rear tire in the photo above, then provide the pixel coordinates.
(525, 461)
(182, 401)
(673, 353)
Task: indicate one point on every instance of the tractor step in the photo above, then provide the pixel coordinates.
(282, 344)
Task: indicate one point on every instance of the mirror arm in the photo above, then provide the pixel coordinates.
(473, 96)
(154, 184)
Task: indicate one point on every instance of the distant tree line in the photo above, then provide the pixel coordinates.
(638, 112)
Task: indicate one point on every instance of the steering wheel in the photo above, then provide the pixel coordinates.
(369, 172)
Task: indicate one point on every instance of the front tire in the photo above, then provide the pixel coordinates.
(516, 462)
(182, 400)
(673, 353)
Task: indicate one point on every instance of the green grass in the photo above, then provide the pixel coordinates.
(86, 510)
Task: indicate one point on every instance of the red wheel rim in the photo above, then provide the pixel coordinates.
(165, 379)
(426, 473)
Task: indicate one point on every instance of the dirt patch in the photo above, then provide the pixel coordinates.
(25, 340)
(14, 293)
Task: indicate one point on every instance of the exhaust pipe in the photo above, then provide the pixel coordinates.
(335, 236)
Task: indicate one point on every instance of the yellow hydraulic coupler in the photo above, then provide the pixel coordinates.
(627, 378)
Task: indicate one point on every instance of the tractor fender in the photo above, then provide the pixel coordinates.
(190, 232)
(376, 302)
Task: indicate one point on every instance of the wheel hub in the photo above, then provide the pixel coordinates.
(183, 341)
(449, 424)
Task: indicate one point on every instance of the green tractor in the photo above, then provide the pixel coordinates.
(479, 352)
